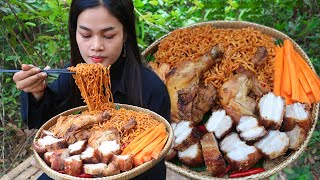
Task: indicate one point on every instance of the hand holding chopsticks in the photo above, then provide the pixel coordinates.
(49, 71)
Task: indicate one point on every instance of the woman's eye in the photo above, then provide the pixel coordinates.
(85, 36)
(108, 36)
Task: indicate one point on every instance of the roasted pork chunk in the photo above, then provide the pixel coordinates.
(98, 137)
(296, 137)
(271, 111)
(99, 169)
(90, 156)
(211, 154)
(49, 143)
(240, 155)
(299, 114)
(219, 123)
(125, 162)
(185, 135)
(192, 156)
(107, 149)
(57, 159)
(274, 144)
(73, 165)
(249, 129)
(78, 147)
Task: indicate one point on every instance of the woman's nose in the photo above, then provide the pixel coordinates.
(97, 44)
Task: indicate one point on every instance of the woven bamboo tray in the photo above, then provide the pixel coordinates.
(314, 111)
(124, 175)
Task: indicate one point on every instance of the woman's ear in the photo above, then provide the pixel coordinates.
(125, 37)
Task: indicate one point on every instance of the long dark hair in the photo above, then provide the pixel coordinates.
(123, 10)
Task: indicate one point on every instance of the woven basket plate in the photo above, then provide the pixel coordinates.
(124, 175)
(314, 111)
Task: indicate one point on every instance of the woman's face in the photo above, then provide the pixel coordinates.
(99, 36)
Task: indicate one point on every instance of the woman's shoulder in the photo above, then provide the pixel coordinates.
(151, 79)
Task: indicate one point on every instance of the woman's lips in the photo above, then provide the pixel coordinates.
(96, 59)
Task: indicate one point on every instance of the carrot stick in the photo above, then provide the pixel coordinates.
(286, 82)
(289, 55)
(147, 139)
(146, 158)
(303, 95)
(312, 78)
(155, 153)
(286, 97)
(143, 134)
(278, 71)
(311, 98)
(138, 159)
(303, 80)
(148, 149)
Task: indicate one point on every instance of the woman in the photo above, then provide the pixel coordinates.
(101, 31)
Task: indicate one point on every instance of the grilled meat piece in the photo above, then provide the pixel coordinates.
(297, 114)
(192, 156)
(112, 169)
(171, 154)
(274, 144)
(125, 162)
(98, 137)
(57, 159)
(49, 143)
(95, 169)
(78, 147)
(260, 56)
(219, 123)
(73, 165)
(47, 157)
(107, 149)
(183, 81)
(129, 125)
(240, 155)
(160, 69)
(185, 135)
(90, 156)
(296, 137)
(271, 111)
(249, 129)
(211, 154)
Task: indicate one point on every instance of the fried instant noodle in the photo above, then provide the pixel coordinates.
(240, 45)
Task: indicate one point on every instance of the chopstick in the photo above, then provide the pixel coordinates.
(49, 71)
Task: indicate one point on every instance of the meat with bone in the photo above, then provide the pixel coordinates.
(240, 155)
(57, 159)
(185, 135)
(219, 123)
(125, 162)
(78, 147)
(234, 97)
(107, 149)
(129, 125)
(274, 144)
(182, 81)
(46, 133)
(97, 137)
(49, 143)
(297, 114)
(271, 111)
(160, 69)
(296, 137)
(73, 165)
(212, 156)
(90, 156)
(95, 169)
(249, 129)
(192, 156)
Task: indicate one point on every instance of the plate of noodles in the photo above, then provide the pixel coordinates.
(222, 78)
(103, 140)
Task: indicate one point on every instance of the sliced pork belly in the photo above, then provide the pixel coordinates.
(296, 137)
(73, 165)
(219, 123)
(49, 143)
(95, 169)
(46, 133)
(112, 169)
(240, 155)
(90, 156)
(211, 154)
(171, 154)
(47, 157)
(192, 156)
(57, 159)
(185, 135)
(274, 144)
(271, 111)
(107, 149)
(299, 114)
(249, 129)
(78, 147)
(125, 162)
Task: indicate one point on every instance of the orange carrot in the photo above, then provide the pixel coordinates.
(143, 134)
(311, 98)
(148, 149)
(155, 153)
(289, 57)
(286, 97)
(312, 78)
(303, 95)
(278, 71)
(147, 139)
(147, 158)
(303, 80)
(138, 159)
(286, 82)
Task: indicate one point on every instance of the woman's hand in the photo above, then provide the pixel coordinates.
(31, 80)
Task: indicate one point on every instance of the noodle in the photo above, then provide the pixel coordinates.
(240, 45)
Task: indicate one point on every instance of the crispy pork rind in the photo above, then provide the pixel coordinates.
(219, 123)
(90, 156)
(107, 149)
(57, 159)
(77, 147)
(185, 135)
(296, 137)
(274, 144)
(125, 162)
(99, 169)
(240, 155)
(249, 129)
(73, 165)
(192, 156)
(271, 110)
(211, 154)
(297, 114)
(49, 143)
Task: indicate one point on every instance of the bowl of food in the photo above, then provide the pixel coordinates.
(103, 140)
(242, 105)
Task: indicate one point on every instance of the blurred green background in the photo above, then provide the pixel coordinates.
(35, 32)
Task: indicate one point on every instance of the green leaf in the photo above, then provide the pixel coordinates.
(30, 24)
(76, 112)
(154, 2)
